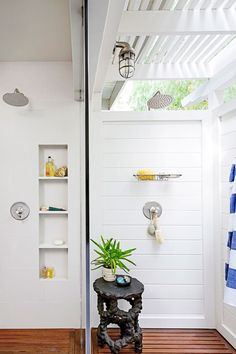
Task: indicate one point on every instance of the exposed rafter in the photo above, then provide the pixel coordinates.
(117, 89)
(225, 57)
(220, 81)
(163, 71)
(97, 16)
(77, 47)
(178, 22)
(106, 41)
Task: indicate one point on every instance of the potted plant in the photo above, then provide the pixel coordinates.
(110, 257)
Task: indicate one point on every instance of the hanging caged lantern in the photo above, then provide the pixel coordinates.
(126, 59)
(159, 101)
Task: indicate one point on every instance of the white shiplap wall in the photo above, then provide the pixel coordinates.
(174, 274)
(228, 146)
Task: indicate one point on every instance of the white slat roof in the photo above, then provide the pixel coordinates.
(157, 49)
(197, 48)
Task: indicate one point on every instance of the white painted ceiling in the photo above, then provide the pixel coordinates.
(35, 30)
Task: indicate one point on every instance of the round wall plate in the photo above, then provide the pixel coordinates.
(154, 205)
(20, 210)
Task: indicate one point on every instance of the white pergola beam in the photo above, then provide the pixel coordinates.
(225, 57)
(113, 12)
(163, 71)
(97, 21)
(115, 93)
(77, 48)
(178, 22)
(220, 81)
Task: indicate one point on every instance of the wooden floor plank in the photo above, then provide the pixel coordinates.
(41, 341)
(174, 341)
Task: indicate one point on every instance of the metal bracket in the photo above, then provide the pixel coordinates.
(151, 208)
(20, 210)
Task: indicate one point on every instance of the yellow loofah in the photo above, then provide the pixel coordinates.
(61, 172)
(146, 174)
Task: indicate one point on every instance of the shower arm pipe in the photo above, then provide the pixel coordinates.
(123, 45)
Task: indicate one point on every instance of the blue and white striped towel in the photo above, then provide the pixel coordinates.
(230, 265)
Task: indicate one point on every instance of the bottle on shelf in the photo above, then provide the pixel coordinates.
(50, 167)
(43, 273)
(50, 272)
(47, 272)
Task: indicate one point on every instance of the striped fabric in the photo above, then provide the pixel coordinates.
(230, 265)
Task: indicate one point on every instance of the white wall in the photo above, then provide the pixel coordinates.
(51, 118)
(177, 275)
(227, 314)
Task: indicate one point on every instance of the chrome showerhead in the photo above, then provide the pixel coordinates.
(159, 101)
(15, 98)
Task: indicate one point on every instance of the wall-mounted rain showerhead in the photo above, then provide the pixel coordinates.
(159, 101)
(15, 98)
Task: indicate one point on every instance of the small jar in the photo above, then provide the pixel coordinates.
(43, 273)
(50, 272)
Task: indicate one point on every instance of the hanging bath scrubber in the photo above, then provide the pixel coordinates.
(151, 228)
(154, 226)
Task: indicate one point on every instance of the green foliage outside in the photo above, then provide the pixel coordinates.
(230, 93)
(144, 90)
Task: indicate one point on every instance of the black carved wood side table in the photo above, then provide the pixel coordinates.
(130, 332)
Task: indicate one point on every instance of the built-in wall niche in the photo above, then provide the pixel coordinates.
(53, 227)
(59, 154)
(56, 259)
(53, 193)
(53, 214)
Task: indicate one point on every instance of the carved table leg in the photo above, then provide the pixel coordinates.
(138, 332)
(101, 331)
(138, 339)
(127, 321)
(100, 337)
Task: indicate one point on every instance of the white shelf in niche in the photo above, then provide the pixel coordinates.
(58, 152)
(56, 258)
(53, 279)
(53, 193)
(43, 178)
(53, 212)
(49, 245)
(53, 227)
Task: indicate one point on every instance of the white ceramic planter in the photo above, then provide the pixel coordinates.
(107, 274)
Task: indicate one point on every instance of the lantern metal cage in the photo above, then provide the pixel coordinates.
(126, 59)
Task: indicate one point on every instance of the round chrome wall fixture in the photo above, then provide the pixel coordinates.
(151, 208)
(20, 210)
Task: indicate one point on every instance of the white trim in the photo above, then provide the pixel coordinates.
(224, 58)
(163, 71)
(226, 108)
(217, 213)
(207, 223)
(77, 46)
(178, 22)
(223, 79)
(114, 13)
(217, 223)
(153, 115)
(227, 334)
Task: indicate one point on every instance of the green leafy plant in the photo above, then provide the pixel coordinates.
(111, 256)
